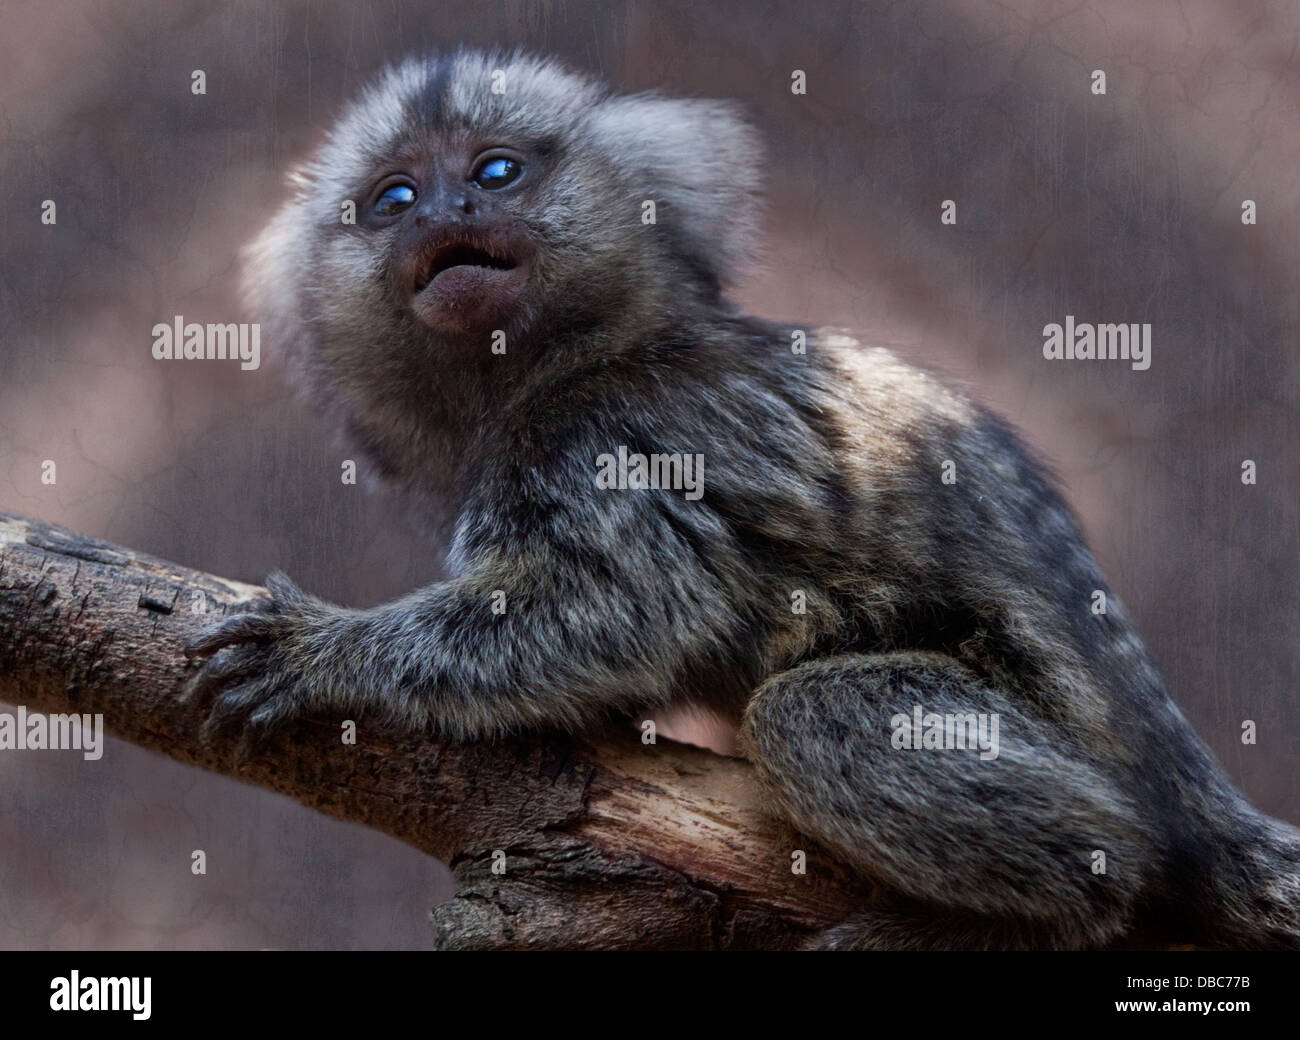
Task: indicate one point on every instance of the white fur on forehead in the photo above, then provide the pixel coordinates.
(518, 93)
(698, 160)
(506, 94)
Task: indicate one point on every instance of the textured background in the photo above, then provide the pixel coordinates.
(1123, 208)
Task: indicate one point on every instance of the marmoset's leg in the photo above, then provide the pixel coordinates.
(991, 848)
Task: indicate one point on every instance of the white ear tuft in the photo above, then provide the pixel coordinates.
(700, 161)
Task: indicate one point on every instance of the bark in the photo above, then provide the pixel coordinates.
(608, 842)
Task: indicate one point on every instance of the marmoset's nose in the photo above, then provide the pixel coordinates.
(444, 202)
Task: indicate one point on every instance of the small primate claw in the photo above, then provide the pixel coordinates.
(256, 665)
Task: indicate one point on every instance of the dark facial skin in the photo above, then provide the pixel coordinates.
(461, 258)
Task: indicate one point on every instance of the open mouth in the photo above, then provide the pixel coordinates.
(453, 255)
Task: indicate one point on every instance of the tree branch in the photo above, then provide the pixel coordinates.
(609, 843)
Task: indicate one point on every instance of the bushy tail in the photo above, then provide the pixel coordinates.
(1258, 891)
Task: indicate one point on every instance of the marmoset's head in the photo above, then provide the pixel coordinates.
(479, 192)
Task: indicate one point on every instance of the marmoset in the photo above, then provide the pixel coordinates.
(533, 285)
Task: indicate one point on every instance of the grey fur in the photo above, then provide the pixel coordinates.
(823, 475)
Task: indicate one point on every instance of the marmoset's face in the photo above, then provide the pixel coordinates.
(469, 195)
(458, 252)
(473, 191)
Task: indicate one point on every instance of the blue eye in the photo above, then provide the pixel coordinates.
(394, 199)
(497, 173)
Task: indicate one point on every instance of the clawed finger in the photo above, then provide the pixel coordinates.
(241, 628)
(261, 725)
(241, 664)
(233, 704)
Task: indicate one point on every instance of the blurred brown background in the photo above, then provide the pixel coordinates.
(1122, 208)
